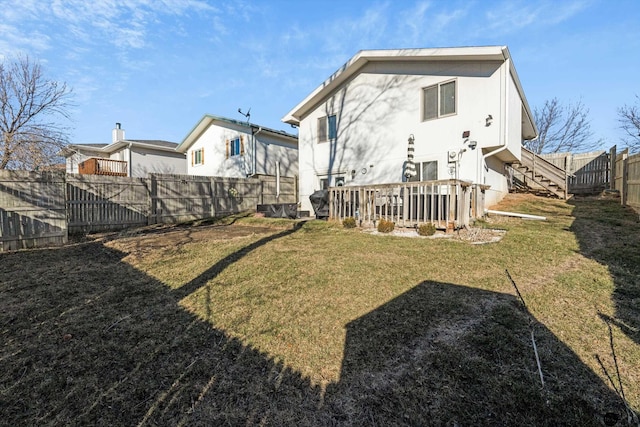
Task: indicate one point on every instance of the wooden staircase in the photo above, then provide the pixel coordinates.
(535, 174)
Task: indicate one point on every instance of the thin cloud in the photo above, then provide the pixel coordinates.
(514, 16)
(364, 31)
(16, 41)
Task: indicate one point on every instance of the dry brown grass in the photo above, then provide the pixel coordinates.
(256, 322)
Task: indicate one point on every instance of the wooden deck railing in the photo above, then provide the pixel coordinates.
(448, 204)
(100, 166)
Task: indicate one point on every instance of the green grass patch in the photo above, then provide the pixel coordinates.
(259, 321)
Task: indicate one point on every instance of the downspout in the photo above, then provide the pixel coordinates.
(277, 182)
(505, 120)
(130, 166)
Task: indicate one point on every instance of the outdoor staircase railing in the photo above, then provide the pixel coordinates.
(542, 175)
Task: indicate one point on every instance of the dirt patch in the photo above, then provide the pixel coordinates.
(141, 241)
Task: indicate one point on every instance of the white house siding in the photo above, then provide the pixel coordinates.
(145, 161)
(214, 142)
(78, 157)
(380, 107)
(494, 173)
(270, 150)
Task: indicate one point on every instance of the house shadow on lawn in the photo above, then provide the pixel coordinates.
(610, 234)
(89, 340)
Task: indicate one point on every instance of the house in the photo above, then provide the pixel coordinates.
(218, 146)
(125, 157)
(463, 109)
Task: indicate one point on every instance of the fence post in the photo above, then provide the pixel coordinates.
(625, 165)
(612, 168)
(331, 195)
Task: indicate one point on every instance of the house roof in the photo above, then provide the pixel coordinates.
(208, 119)
(151, 144)
(359, 60)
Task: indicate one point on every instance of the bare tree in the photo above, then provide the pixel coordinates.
(31, 107)
(562, 128)
(629, 119)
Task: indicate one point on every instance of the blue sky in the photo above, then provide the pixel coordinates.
(159, 66)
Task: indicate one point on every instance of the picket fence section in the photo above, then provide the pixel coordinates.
(587, 172)
(42, 209)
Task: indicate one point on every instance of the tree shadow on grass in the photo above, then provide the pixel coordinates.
(89, 340)
(610, 234)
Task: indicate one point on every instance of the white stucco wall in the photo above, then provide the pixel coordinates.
(379, 108)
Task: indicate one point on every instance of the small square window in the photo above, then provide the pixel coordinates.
(439, 100)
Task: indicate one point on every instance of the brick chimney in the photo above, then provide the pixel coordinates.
(117, 134)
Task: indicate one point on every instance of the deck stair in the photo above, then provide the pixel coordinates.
(535, 174)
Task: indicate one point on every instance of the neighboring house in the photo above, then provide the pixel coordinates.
(130, 157)
(465, 108)
(218, 146)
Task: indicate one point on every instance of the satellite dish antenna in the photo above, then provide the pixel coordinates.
(247, 114)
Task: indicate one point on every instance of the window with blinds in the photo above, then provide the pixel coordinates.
(439, 100)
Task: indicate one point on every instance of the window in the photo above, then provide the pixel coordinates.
(426, 171)
(336, 181)
(197, 157)
(439, 100)
(235, 147)
(327, 128)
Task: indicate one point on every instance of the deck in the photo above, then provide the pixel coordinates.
(448, 204)
(100, 166)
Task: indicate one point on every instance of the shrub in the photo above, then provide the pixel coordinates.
(349, 222)
(427, 229)
(385, 226)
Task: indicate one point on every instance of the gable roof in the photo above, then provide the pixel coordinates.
(359, 60)
(208, 119)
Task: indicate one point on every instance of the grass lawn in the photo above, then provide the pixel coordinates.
(274, 322)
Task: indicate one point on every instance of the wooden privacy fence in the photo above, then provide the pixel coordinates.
(448, 204)
(627, 178)
(32, 209)
(586, 172)
(102, 203)
(41, 209)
